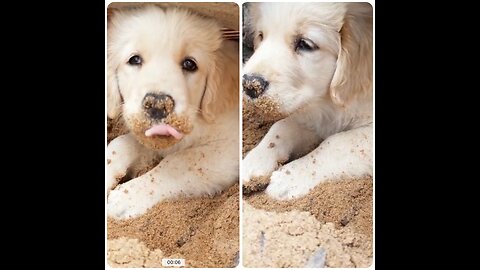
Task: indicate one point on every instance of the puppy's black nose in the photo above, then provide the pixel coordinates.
(158, 106)
(254, 85)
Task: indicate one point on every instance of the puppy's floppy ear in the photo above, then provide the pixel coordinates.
(210, 95)
(114, 100)
(353, 75)
(222, 83)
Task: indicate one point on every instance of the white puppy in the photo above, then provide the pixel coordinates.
(312, 68)
(175, 81)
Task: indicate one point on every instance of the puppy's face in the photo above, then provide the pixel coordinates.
(158, 63)
(296, 50)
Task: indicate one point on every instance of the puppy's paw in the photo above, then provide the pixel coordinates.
(131, 199)
(255, 184)
(121, 204)
(288, 183)
(258, 164)
(113, 179)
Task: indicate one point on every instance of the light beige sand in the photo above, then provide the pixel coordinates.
(125, 252)
(290, 238)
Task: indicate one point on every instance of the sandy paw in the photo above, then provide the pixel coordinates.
(256, 166)
(251, 170)
(285, 186)
(120, 204)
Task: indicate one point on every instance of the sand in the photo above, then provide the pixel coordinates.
(115, 128)
(203, 231)
(332, 226)
(125, 252)
(347, 202)
(254, 127)
(291, 239)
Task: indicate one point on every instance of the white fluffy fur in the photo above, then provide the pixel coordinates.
(327, 94)
(204, 161)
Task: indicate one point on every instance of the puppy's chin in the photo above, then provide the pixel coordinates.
(138, 124)
(267, 108)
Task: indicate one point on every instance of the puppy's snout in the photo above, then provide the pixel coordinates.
(254, 85)
(158, 106)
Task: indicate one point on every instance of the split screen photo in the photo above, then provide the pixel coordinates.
(239, 134)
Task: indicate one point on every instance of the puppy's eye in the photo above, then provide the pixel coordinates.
(189, 65)
(306, 45)
(135, 60)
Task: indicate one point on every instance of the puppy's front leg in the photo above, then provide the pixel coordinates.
(123, 153)
(284, 139)
(345, 154)
(191, 172)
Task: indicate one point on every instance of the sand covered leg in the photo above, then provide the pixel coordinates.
(284, 139)
(191, 172)
(122, 153)
(345, 154)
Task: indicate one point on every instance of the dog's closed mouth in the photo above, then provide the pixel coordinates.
(163, 130)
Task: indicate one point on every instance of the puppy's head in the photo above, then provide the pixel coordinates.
(163, 72)
(308, 51)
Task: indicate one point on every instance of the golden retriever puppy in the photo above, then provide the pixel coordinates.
(174, 80)
(312, 71)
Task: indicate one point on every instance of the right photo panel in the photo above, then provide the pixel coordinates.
(307, 169)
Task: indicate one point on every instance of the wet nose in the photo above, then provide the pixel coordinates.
(158, 106)
(254, 85)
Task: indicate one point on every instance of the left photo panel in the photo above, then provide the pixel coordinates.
(172, 155)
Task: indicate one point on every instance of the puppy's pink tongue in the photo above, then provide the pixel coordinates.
(163, 130)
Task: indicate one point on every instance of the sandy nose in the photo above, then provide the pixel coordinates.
(254, 85)
(158, 106)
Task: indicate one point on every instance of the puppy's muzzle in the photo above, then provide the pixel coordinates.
(157, 106)
(254, 85)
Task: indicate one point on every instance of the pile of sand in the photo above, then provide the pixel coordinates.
(203, 231)
(125, 252)
(297, 239)
(332, 226)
